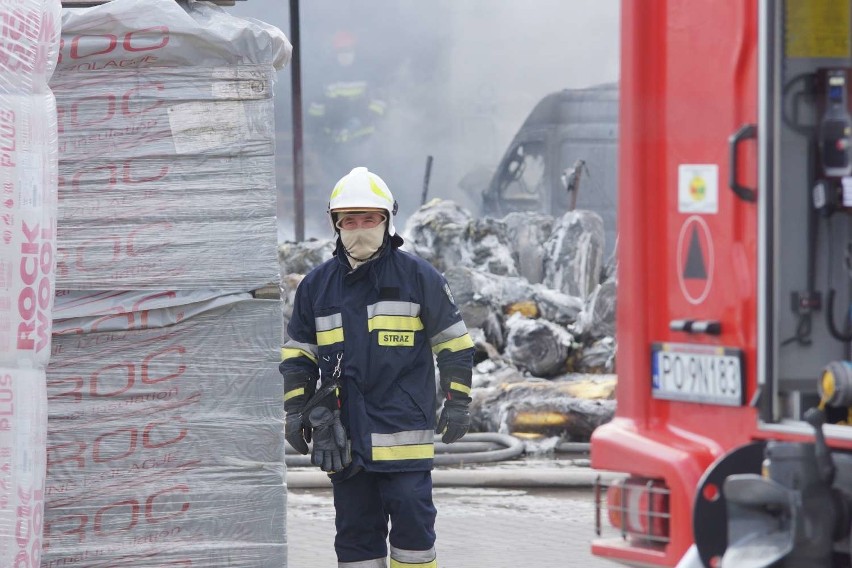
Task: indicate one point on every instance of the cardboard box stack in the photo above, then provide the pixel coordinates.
(165, 414)
(29, 43)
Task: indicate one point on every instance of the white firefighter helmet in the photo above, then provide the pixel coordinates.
(362, 189)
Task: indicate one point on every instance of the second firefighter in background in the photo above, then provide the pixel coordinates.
(369, 325)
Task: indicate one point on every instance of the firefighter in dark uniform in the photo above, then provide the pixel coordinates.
(359, 372)
(347, 114)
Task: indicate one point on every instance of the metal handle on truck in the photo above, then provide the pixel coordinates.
(745, 132)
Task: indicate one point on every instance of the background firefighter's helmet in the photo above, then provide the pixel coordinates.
(343, 41)
(362, 189)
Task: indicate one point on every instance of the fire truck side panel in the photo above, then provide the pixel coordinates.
(688, 82)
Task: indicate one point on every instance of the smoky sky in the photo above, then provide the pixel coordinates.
(457, 77)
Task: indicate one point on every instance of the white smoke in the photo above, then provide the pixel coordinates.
(459, 78)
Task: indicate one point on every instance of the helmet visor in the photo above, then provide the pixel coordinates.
(350, 220)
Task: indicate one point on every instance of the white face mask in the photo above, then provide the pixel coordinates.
(361, 244)
(346, 58)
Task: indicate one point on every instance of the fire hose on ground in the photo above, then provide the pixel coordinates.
(474, 448)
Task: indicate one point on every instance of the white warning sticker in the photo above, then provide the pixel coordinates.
(200, 126)
(698, 188)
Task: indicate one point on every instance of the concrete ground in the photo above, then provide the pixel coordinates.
(488, 527)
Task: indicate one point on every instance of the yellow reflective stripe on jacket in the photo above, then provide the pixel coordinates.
(395, 323)
(377, 106)
(394, 315)
(295, 392)
(454, 338)
(293, 349)
(343, 136)
(346, 89)
(413, 558)
(460, 387)
(330, 337)
(457, 344)
(407, 445)
(329, 329)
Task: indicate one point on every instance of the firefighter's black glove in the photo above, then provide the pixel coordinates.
(330, 451)
(296, 432)
(454, 421)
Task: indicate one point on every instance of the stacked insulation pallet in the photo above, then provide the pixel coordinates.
(29, 43)
(165, 419)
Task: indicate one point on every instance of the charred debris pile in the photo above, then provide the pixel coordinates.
(538, 297)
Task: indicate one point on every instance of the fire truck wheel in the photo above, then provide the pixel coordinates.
(709, 515)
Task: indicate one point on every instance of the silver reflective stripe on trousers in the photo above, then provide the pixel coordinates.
(375, 563)
(404, 438)
(415, 557)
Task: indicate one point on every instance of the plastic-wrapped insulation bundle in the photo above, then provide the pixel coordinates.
(167, 147)
(165, 443)
(29, 31)
(29, 43)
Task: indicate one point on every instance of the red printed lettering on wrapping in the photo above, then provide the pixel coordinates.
(13, 57)
(74, 393)
(150, 440)
(90, 257)
(169, 360)
(8, 140)
(128, 178)
(18, 35)
(138, 40)
(156, 230)
(125, 371)
(91, 45)
(112, 514)
(65, 452)
(77, 526)
(118, 444)
(85, 112)
(28, 526)
(7, 400)
(177, 350)
(19, 25)
(150, 502)
(120, 516)
(34, 299)
(104, 448)
(138, 308)
(130, 109)
(103, 253)
(83, 46)
(105, 177)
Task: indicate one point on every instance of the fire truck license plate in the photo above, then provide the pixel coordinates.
(697, 373)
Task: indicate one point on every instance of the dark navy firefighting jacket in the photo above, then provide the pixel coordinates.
(390, 319)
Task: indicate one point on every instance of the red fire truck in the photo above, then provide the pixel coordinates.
(734, 420)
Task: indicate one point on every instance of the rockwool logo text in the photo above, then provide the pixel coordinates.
(112, 51)
(35, 296)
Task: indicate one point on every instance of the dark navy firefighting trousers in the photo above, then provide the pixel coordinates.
(366, 501)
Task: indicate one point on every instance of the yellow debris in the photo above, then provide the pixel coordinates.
(527, 309)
